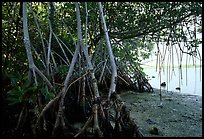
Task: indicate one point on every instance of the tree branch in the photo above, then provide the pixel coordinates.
(137, 33)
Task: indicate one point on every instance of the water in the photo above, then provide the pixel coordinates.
(193, 85)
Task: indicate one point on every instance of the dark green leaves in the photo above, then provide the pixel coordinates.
(20, 94)
(47, 94)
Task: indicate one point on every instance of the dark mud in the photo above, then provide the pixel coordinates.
(177, 115)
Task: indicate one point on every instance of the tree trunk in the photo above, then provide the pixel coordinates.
(90, 67)
(113, 65)
(32, 67)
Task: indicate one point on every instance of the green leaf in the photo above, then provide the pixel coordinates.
(46, 90)
(31, 89)
(12, 91)
(14, 81)
(13, 100)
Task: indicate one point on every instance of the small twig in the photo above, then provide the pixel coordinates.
(85, 126)
(102, 71)
(123, 80)
(59, 84)
(76, 81)
(43, 112)
(20, 118)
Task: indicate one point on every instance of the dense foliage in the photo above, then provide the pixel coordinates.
(133, 27)
(127, 23)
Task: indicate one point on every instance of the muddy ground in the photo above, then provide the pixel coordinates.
(177, 115)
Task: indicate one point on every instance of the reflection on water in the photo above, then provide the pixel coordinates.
(193, 84)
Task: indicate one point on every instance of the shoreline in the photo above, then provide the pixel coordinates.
(178, 66)
(177, 92)
(176, 115)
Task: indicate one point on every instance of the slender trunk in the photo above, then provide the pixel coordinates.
(26, 37)
(86, 23)
(67, 60)
(64, 89)
(113, 65)
(71, 68)
(88, 60)
(27, 44)
(60, 115)
(32, 67)
(39, 31)
(90, 67)
(49, 44)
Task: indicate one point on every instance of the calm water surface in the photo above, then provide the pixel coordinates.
(193, 84)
